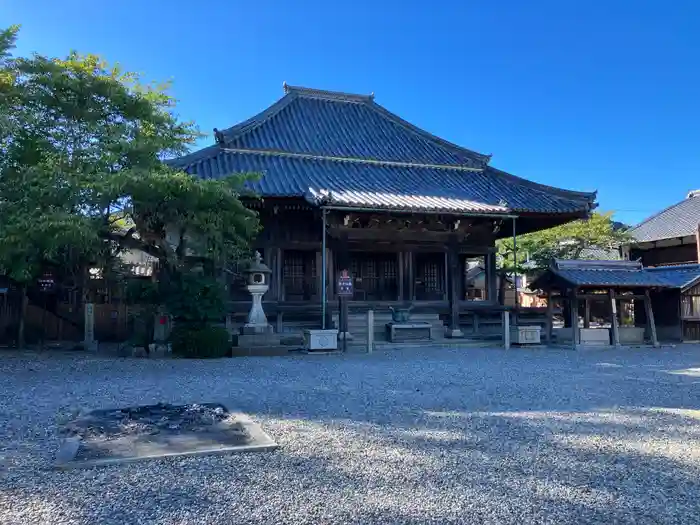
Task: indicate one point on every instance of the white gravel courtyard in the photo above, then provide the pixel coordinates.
(471, 436)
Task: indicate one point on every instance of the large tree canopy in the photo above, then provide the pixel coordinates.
(81, 155)
(568, 241)
(82, 176)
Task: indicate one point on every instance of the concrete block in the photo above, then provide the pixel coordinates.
(631, 334)
(521, 335)
(595, 336)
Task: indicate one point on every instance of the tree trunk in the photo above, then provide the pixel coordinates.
(22, 316)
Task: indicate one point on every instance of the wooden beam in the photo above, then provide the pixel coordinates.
(605, 296)
(615, 325)
(650, 318)
(550, 317)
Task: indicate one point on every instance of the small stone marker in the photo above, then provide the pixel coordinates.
(89, 342)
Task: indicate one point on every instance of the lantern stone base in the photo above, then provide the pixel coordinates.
(256, 329)
(258, 340)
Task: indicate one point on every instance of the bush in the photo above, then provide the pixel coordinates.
(199, 342)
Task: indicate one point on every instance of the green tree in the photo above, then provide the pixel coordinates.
(568, 241)
(82, 176)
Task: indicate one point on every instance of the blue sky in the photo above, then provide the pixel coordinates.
(602, 94)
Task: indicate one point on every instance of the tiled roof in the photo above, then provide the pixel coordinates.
(624, 274)
(337, 148)
(679, 220)
(681, 276)
(606, 273)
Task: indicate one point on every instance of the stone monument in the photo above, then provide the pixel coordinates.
(257, 331)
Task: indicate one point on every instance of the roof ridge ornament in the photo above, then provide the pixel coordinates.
(327, 94)
(219, 137)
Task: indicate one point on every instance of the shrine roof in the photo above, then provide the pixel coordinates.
(617, 274)
(347, 150)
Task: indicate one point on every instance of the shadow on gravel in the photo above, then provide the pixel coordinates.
(467, 468)
(494, 438)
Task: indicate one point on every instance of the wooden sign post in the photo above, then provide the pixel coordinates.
(345, 290)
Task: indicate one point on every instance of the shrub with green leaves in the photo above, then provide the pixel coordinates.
(198, 342)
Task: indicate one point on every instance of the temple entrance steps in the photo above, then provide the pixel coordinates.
(357, 325)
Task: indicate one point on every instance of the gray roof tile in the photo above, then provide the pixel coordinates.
(679, 220)
(626, 274)
(347, 150)
(680, 276)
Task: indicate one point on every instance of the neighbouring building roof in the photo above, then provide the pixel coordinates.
(616, 274)
(347, 150)
(678, 220)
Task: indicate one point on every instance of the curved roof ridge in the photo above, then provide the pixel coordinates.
(257, 120)
(482, 157)
(233, 132)
(586, 196)
(293, 92)
(324, 93)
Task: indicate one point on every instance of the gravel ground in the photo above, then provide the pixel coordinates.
(475, 436)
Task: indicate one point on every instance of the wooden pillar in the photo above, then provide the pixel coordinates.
(411, 271)
(575, 334)
(446, 281)
(270, 259)
(697, 242)
(319, 275)
(550, 317)
(453, 268)
(615, 324)
(330, 274)
(491, 278)
(370, 331)
(650, 318)
(587, 313)
(280, 275)
(400, 275)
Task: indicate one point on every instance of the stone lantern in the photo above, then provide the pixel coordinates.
(257, 283)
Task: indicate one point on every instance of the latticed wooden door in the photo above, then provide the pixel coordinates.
(430, 276)
(299, 274)
(376, 276)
